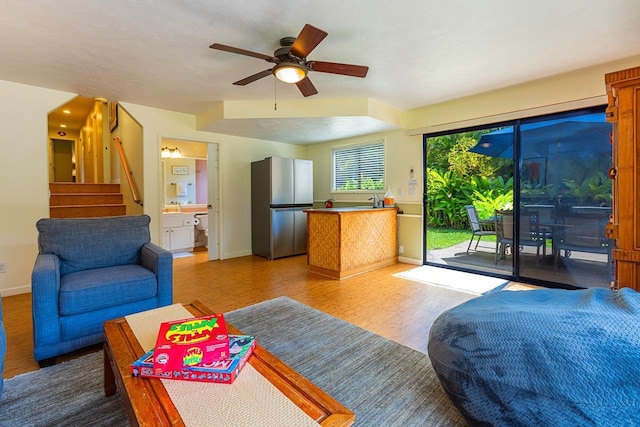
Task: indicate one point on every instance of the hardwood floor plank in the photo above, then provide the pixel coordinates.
(396, 308)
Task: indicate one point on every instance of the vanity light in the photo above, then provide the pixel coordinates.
(66, 111)
(170, 152)
(63, 126)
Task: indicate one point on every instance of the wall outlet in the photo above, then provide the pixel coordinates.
(400, 249)
(3, 267)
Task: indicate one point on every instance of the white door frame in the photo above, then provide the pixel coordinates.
(213, 193)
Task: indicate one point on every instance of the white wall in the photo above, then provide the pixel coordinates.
(235, 157)
(577, 89)
(24, 192)
(402, 152)
(24, 189)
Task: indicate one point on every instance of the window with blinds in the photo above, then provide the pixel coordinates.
(359, 167)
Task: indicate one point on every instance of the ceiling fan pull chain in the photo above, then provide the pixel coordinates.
(275, 94)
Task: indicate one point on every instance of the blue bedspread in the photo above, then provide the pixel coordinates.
(542, 358)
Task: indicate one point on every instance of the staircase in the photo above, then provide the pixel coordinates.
(73, 200)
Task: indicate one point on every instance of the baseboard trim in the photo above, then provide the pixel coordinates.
(15, 291)
(235, 254)
(406, 260)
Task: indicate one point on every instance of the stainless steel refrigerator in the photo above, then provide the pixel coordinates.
(281, 188)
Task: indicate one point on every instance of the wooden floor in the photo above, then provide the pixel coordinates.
(396, 308)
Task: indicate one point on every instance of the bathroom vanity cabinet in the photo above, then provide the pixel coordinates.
(177, 229)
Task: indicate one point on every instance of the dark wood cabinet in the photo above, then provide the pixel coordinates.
(623, 111)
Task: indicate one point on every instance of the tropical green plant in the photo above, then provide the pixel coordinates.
(365, 183)
(457, 177)
(369, 184)
(528, 189)
(451, 152)
(350, 185)
(487, 203)
(466, 163)
(597, 187)
(447, 195)
(491, 193)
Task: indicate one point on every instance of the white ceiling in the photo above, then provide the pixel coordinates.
(420, 52)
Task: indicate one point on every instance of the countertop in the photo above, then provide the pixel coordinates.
(348, 209)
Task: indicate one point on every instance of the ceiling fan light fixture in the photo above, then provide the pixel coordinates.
(289, 72)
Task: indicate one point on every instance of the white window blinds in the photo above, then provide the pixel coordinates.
(359, 167)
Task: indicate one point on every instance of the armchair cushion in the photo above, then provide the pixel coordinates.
(91, 290)
(88, 243)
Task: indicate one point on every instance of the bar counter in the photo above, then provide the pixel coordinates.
(344, 242)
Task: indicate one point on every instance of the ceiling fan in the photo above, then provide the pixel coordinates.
(291, 64)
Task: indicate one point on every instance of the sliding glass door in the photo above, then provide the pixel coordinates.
(565, 198)
(468, 180)
(528, 199)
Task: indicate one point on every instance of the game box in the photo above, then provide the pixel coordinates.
(190, 342)
(220, 371)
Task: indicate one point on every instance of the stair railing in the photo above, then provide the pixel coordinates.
(127, 171)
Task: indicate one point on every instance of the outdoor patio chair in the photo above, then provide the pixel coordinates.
(582, 233)
(530, 233)
(479, 227)
(504, 232)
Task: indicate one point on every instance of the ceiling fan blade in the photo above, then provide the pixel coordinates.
(306, 87)
(307, 40)
(232, 49)
(336, 68)
(253, 78)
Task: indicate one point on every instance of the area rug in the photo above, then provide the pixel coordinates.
(66, 394)
(458, 280)
(383, 382)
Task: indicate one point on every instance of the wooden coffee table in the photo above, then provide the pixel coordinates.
(148, 404)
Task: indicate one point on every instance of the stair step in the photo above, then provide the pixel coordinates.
(68, 199)
(87, 211)
(74, 188)
(85, 200)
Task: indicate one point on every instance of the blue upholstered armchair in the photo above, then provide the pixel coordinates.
(90, 270)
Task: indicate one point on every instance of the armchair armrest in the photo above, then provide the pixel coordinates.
(160, 261)
(45, 288)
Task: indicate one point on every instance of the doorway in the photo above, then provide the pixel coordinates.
(75, 136)
(190, 187)
(63, 160)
